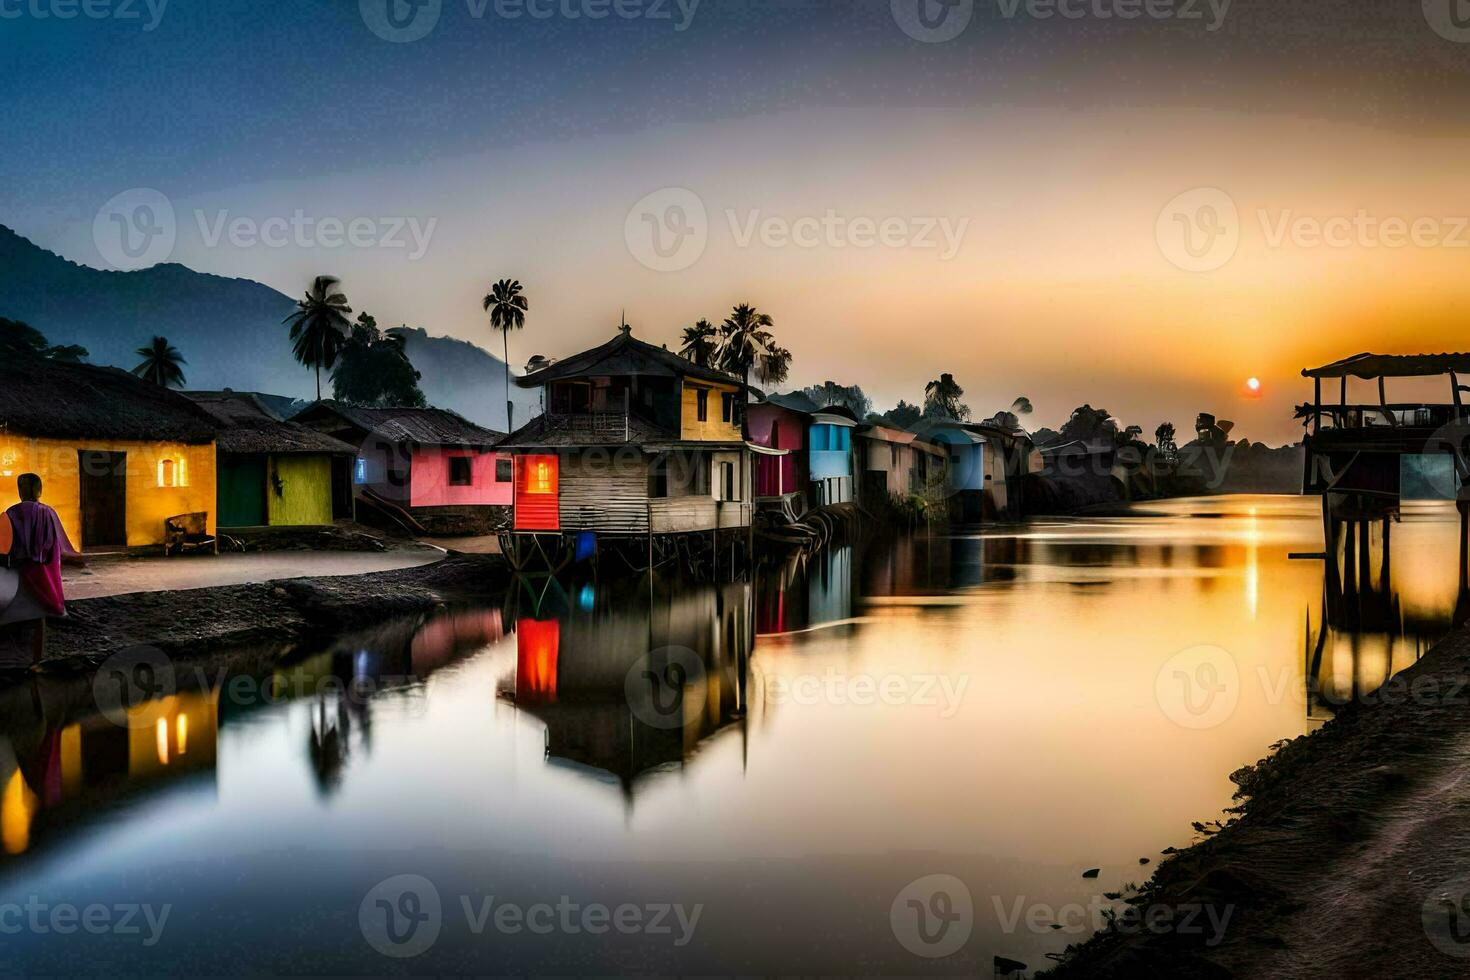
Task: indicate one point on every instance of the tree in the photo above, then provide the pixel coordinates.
(507, 307)
(942, 399)
(373, 369)
(19, 339)
(1211, 432)
(320, 326)
(1164, 439)
(903, 415)
(161, 364)
(747, 346)
(700, 342)
(832, 393)
(1090, 425)
(1012, 419)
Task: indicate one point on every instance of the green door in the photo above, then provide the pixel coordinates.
(241, 491)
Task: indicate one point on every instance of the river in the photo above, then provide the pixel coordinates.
(727, 779)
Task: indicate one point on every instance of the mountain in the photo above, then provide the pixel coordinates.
(230, 330)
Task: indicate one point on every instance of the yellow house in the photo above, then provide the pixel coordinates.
(117, 456)
(710, 411)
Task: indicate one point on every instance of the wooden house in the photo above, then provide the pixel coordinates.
(824, 471)
(272, 472)
(428, 465)
(117, 456)
(635, 441)
(986, 467)
(894, 463)
(778, 433)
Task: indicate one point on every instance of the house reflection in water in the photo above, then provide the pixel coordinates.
(53, 775)
(572, 673)
(1389, 606)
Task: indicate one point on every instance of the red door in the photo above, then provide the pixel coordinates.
(537, 481)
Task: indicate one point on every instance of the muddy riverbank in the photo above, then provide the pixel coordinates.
(194, 622)
(1347, 856)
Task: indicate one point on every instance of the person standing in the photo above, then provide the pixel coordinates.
(37, 546)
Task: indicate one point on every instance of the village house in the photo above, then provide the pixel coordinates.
(428, 467)
(894, 463)
(271, 472)
(117, 456)
(987, 467)
(778, 435)
(635, 441)
(824, 471)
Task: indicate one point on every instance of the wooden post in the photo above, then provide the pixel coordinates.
(1316, 405)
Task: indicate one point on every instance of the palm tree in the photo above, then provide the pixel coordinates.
(746, 346)
(160, 364)
(700, 342)
(942, 398)
(507, 307)
(320, 327)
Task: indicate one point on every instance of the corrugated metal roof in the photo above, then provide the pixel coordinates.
(424, 426)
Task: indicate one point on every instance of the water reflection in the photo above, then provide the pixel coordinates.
(573, 673)
(605, 741)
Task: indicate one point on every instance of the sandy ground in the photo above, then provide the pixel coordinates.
(108, 576)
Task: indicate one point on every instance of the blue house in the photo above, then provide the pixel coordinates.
(986, 466)
(829, 448)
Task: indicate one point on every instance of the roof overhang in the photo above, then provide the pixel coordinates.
(1392, 366)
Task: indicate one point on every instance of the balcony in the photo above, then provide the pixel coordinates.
(611, 426)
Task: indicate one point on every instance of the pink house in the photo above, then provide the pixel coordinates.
(778, 427)
(429, 465)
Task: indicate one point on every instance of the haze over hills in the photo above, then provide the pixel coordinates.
(230, 330)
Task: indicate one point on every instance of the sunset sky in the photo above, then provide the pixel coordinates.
(1049, 149)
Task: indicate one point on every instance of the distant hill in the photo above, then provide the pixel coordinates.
(230, 330)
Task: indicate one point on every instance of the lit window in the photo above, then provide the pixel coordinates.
(359, 471)
(540, 478)
(171, 473)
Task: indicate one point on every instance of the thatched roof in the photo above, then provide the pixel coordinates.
(57, 400)
(420, 426)
(248, 426)
(1392, 366)
(624, 355)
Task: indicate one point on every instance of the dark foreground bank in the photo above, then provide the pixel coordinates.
(197, 621)
(1348, 855)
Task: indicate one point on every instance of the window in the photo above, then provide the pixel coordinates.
(359, 470)
(727, 407)
(504, 469)
(701, 400)
(539, 479)
(460, 474)
(171, 473)
(658, 478)
(727, 482)
(820, 436)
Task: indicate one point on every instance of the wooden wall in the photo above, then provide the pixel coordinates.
(604, 492)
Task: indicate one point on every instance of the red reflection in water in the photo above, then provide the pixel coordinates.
(537, 644)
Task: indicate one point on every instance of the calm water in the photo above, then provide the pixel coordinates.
(774, 765)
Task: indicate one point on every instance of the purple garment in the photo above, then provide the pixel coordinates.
(39, 537)
(39, 542)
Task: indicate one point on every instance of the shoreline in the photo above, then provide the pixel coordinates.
(199, 622)
(1347, 853)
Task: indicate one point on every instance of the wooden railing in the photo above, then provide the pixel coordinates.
(1367, 416)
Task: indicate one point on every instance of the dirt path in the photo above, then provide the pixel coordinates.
(1350, 856)
(120, 576)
